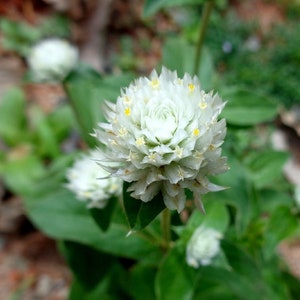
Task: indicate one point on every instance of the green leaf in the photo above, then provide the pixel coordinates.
(87, 91)
(18, 36)
(238, 196)
(281, 225)
(47, 145)
(139, 214)
(216, 217)
(175, 280)
(271, 199)
(22, 172)
(60, 215)
(141, 282)
(246, 108)
(266, 167)
(89, 265)
(79, 292)
(179, 54)
(12, 117)
(61, 121)
(102, 217)
(212, 290)
(153, 6)
(244, 279)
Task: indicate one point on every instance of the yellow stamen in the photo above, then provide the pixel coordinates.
(202, 105)
(198, 155)
(152, 156)
(178, 151)
(122, 131)
(127, 111)
(155, 83)
(126, 99)
(196, 132)
(180, 173)
(191, 87)
(140, 141)
(211, 147)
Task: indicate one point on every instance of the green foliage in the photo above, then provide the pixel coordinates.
(246, 108)
(87, 91)
(179, 55)
(80, 259)
(12, 118)
(139, 214)
(103, 216)
(271, 67)
(266, 168)
(20, 36)
(152, 6)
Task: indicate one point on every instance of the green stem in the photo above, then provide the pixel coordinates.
(207, 9)
(166, 228)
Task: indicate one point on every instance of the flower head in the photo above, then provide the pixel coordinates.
(90, 182)
(164, 135)
(203, 246)
(52, 59)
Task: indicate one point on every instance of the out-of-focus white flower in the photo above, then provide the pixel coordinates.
(52, 59)
(203, 246)
(90, 183)
(164, 135)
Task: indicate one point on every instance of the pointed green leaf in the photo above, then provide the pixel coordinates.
(131, 206)
(102, 217)
(175, 280)
(87, 91)
(141, 282)
(60, 215)
(281, 225)
(247, 108)
(14, 171)
(139, 214)
(12, 116)
(89, 265)
(266, 167)
(44, 135)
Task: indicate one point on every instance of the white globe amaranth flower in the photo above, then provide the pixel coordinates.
(52, 59)
(91, 183)
(164, 135)
(203, 246)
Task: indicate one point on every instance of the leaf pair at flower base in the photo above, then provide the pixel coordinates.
(103, 216)
(139, 214)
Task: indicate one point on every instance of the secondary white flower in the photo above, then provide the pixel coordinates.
(203, 246)
(52, 59)
(165, 136)
(90, 183)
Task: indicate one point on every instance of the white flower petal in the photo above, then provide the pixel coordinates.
(52, 59)
(164, 133)
(203, 246)
(91, 183)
